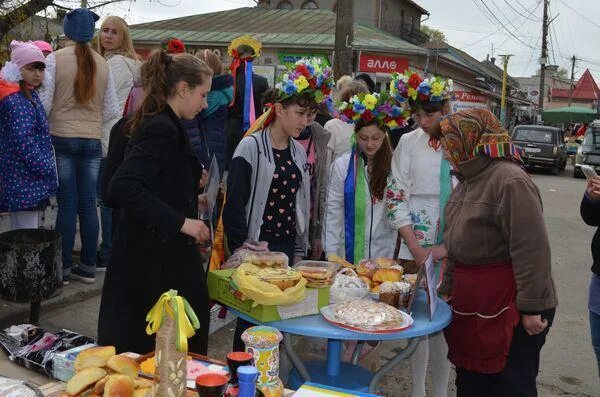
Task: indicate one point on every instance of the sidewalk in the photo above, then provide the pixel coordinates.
(18, 313)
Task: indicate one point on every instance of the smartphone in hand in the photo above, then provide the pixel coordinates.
(589, 172)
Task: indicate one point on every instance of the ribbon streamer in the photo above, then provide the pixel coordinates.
(355, 196)
(180, 310)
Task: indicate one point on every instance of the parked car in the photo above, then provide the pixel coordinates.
(543, 146)
(589, 152)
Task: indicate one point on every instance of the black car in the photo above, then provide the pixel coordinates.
(543, 146)
(589, 151)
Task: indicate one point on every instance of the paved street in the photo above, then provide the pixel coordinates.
(567, 367)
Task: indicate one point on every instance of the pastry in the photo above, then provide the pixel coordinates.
(389, 274)
(94, 357)
(281, 278)
(123, 365)
(394, 293)
(317, 274)
(143, 392)
(266, 259)
(367, 313)
(366, 268)
(141, 383)
(84, 379)
(385, 262)
(99, 387)
(367, 281)
(119, 386)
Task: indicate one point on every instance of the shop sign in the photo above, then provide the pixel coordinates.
(462, 100)
(382, 64)
(289, 59)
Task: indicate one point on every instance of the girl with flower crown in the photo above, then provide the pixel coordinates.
(268, 195)
(28, 171)
(421, 182)
(355, 225)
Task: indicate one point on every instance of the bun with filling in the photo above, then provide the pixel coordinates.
(84, 379)
(94, 357)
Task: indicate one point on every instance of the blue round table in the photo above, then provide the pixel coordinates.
(345, 375)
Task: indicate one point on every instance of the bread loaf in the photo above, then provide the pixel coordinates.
(94, 357)
(84, 379)
(119, 385)
(124, 365)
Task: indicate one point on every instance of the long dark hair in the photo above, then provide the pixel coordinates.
(160, 75)
(381, 164)
(85, 79)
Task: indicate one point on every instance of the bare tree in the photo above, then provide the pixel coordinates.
(14, 12)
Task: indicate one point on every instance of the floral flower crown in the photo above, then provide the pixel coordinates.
(307, 76)
(410, 86)
(368, 107)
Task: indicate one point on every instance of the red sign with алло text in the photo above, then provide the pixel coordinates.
(382, 64)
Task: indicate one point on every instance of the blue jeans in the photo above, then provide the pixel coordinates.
(595, 330)
(105, 221)
(78, 162)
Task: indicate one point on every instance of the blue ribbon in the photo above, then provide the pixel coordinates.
(349, 187)
(247, 96)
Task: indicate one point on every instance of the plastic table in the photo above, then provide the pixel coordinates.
(351, 376)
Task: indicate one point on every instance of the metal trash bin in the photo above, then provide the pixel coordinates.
(30, 267)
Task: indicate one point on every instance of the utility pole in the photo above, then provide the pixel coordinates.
(505, 59)
(343, 60)
(572, 79)
(544, 57)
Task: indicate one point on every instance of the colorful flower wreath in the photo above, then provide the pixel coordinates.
(368, 107)
(307, 76)
(411, 86)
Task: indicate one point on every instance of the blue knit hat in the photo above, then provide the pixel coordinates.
(79, 25)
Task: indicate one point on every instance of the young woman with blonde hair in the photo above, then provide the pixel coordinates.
(115, 45)
(79, 97)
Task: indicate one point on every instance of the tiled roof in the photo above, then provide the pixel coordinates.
(296, 28)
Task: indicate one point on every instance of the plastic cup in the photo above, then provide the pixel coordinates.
(211, 385)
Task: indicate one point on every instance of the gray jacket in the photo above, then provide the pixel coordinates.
(250, 175)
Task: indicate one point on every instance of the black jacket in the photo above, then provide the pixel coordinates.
(590, 212)
(117, 145)
(156, 187)
(259, 86)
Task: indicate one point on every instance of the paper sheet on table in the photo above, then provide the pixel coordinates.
(431, 284)
(316, 390)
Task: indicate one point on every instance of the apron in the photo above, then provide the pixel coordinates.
(484, 317)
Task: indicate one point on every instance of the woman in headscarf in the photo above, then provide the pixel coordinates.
(498, 279)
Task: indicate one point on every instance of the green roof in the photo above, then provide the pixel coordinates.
(302, 29)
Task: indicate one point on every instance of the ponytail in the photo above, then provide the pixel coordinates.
(85, 79)
(160, 74)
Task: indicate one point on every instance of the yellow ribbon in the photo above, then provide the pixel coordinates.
(180, 310)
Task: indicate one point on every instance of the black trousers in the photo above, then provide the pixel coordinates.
(518, 379)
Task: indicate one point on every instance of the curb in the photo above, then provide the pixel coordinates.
(18, 313)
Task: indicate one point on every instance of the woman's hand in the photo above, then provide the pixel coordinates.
(533, 324)
(593, 188)
(203, 179)
(419, 253)
(195, 229)
(317, 250)
(438, 252)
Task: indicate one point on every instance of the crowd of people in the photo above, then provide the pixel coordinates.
(311, 166)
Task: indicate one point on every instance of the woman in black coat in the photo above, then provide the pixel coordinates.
(156, 186)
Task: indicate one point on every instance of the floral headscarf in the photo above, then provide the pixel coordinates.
(476, 132)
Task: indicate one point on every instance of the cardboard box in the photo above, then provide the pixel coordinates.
(220, 290)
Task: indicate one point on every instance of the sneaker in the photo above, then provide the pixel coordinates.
(66, 280)
(80, 275)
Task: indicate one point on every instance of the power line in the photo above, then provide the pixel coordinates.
(581, 15)
(523, 23)
(528, 11)
(504, 15)
(521, 14)
(504, 26)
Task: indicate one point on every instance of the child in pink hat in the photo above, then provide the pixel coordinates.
(44, 46)
(28, 172)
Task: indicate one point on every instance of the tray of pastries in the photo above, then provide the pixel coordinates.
(367, 316)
